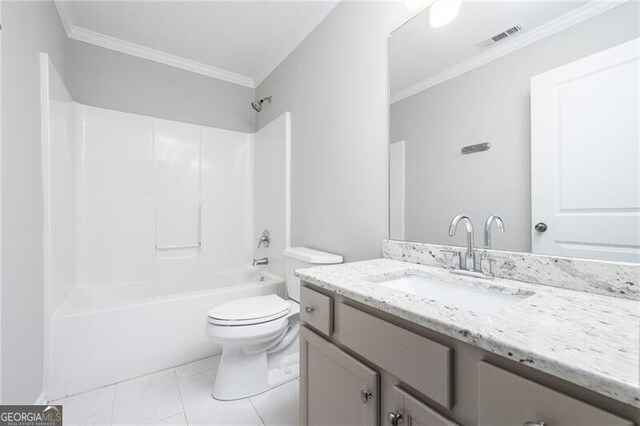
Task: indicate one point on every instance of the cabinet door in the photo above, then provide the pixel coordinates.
(335, 388)
(506, 399)
(410, 411)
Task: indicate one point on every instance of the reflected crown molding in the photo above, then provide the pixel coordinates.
(529, 37)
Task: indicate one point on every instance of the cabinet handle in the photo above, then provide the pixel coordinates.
(533, 424)
(364, 396)
(395, 418)
(309, 309)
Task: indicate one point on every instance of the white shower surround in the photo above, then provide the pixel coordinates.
(120, 190)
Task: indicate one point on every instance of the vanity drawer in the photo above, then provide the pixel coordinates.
(316, 310)
(508, 399)
(419, 362)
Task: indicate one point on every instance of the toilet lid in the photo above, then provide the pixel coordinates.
(250, 310)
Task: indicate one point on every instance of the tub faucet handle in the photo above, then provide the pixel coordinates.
(265, 239)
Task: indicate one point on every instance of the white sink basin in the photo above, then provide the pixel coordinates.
(476, 299)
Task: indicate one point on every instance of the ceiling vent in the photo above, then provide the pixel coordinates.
(501, 36)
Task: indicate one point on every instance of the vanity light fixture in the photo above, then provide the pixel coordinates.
(442, 12)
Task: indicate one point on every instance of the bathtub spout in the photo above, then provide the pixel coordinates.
(261, 261)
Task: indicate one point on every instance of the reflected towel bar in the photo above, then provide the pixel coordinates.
(479, 147)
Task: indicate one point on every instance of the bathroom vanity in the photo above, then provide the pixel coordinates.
(381, 345)
(521, 117)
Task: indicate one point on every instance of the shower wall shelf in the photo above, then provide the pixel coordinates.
(177, 246)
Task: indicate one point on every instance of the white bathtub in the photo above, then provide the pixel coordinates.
(106, 334)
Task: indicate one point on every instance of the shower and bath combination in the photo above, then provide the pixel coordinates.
(257, 105)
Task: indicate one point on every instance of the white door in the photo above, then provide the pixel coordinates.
(396, 190)
(585, 157)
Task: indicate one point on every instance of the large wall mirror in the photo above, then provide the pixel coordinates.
(525, 110)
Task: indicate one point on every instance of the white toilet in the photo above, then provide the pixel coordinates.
(259, 335)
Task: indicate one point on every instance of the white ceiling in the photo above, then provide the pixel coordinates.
(421, 56)
(239, 41)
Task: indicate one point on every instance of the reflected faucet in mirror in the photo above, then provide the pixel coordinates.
(487, 228)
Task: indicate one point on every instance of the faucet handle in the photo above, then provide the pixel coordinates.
(457, 254)
(486, 260)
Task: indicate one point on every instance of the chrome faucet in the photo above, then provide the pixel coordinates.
(472, 264)
(487, 228)
(265, 239)
(469, 258)
(261, 261)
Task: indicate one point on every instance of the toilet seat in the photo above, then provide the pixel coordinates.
(250, 311)
(270, 322)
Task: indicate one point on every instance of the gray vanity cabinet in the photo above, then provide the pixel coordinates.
(415, 360)
(317, 310)
(507, 399)
(410, 411)
(360, 366)
(336, 389)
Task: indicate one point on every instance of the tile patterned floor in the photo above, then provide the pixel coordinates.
(180, 396)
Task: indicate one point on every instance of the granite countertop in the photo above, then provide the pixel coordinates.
(587, 339)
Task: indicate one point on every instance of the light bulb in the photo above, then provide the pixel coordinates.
(443, 11)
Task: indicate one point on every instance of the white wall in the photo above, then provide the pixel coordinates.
(146, 185)
(335, 85)
(27, 29)
(272, 189)
(109, 79)
(488, 104)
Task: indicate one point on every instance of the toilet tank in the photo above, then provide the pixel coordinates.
(300, 258)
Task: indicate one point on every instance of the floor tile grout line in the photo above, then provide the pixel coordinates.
(168, 417)
(215, 369)
(257, 412)
(184, 409)
(177, 378)
(113, 404)
(134, 378)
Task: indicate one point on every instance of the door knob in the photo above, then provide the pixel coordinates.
(395, 418)
(540, 227)
(309, 309)
(364, 396)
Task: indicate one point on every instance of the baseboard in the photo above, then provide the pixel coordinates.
(41, 400)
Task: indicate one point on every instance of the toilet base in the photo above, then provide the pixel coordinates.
(241, 375)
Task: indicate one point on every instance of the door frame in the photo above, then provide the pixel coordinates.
(402, 146)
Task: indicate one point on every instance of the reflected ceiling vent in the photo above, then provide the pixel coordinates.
(501, 36)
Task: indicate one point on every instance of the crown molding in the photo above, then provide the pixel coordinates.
(298, 37)
(108, 42)
(102, 40)
(550, 28)
(65, 16)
